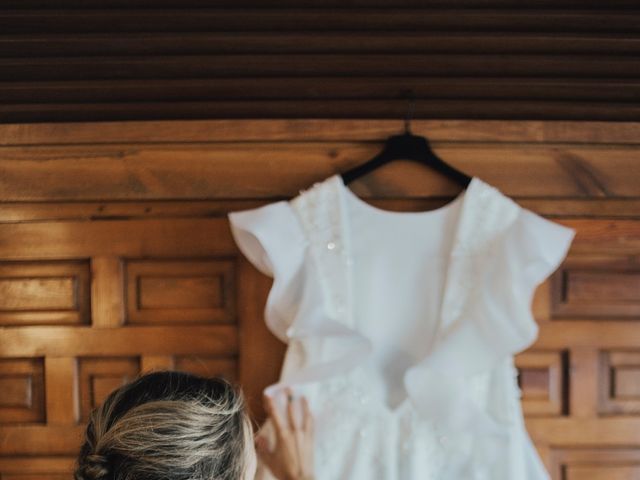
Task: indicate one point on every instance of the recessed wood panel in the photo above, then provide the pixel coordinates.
(37, 468)
(35, 476)
(159, 292)
(100, 376)
(541, 378)
(153, 197)
(16, 391)
(208, 366)
(620, 383)
(603, 472)
(180, 291)
(627, 382)
(595, 464)
(22, 390)
(49, 293)
(55, 293)
(599, 288)
(202, 365)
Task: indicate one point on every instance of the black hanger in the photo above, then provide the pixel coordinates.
(407, 147)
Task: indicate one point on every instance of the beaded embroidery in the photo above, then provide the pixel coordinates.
(323, 221)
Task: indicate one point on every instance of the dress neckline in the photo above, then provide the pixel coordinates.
(424, 214)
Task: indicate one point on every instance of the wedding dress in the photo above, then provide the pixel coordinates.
(401, 327)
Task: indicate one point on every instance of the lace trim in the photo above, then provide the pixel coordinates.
(479, 224)
(485, 213)
(323, 219)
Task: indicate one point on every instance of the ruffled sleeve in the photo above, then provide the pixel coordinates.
(495, 323)
(537, 246)
(271, 238)
(531, 249)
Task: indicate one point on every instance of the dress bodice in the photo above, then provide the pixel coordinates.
(457, 395)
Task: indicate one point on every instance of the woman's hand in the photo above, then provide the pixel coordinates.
(292, 456)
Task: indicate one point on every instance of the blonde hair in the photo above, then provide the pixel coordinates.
(167, 426)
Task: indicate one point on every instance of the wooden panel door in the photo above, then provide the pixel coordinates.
(116, 258)
(88, 306)
(581, 380)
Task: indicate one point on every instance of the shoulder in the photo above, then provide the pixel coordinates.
(539, 239)
(268, 235)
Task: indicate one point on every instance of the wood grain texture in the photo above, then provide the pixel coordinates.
(107, 309)
(61, 380)
(178, 171)
(37, 292)
(56, 341)
(284, 130)
(134, 213)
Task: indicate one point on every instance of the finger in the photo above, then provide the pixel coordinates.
(277, 419)
(262, 444)
(307, 417)
(291, 410)
(298, 433)
(263, 452)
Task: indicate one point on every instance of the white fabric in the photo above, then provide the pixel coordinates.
(402, 326)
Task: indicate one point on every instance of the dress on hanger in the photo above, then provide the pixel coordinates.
(401, 327)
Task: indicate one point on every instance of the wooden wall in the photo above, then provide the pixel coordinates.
(74, 60)
(116, 258)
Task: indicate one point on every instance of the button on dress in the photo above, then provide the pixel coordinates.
(402, 326)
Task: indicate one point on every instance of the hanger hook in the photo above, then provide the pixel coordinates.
(410, 110)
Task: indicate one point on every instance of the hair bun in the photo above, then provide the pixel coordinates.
(93, 467)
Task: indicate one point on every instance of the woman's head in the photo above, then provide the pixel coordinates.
(169, 426)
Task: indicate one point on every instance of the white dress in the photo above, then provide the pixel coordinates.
(401, 327)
